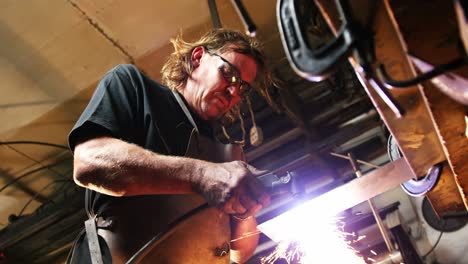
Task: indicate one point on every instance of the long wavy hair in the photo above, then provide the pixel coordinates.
(178, 67)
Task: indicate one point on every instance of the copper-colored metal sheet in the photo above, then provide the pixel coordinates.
(431, 130)
(439, 33)
(446, 197)
(449, 117)
(414, 132)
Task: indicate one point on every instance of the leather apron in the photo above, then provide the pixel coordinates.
(196, 240)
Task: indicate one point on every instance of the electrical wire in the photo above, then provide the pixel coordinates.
(249, 106)
(434, 246)
(38, 162)
(9, 143)
(436, 71)
(30, 173)
(22, 176)
(33, 143)
(463, 214)
(38, 193)
(242, 126)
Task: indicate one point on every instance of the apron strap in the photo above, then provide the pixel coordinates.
(185, 109)
(93, 241)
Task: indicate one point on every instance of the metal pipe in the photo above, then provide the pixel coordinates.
(375, 212)
(249, 25)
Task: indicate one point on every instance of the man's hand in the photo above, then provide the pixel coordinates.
(233, 187)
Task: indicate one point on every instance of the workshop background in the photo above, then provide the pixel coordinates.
(53, 53)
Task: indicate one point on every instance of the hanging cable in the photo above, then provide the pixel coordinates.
(438, 70)
(256, 133)
(38, 162)
(38, 193)
(242, 126)
(252, 116)
(33, 143)
(434, 246)
(30, 173)
(463, 214)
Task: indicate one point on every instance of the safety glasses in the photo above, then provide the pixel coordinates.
(231, 75)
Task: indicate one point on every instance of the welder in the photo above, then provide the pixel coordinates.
(146, 154)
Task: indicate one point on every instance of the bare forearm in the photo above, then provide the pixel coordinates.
(117, 168)
(114, 167)
(244, 237)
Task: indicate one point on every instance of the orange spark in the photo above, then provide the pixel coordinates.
(320, 241)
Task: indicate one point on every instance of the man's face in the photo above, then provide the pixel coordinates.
(218, 81)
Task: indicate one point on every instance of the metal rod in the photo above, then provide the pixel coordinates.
(249, 25)
(386, 97)
(358, 161)
(214, 14)
(375, 212)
